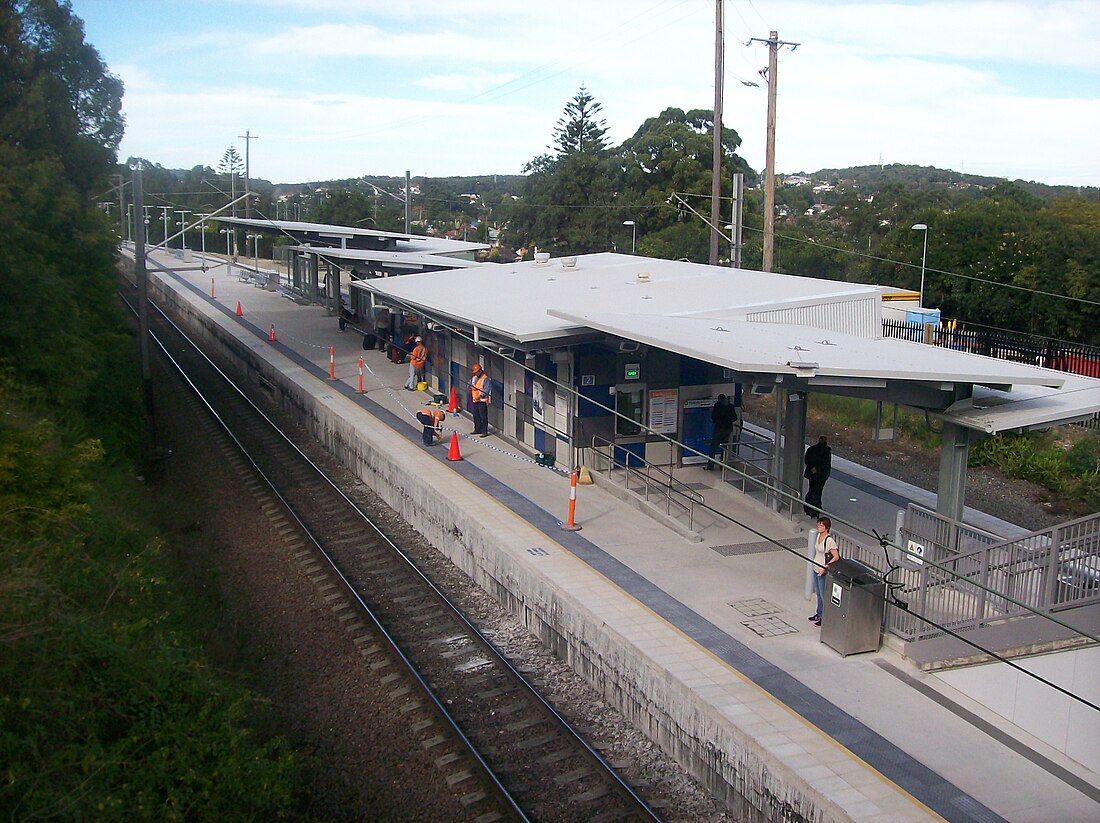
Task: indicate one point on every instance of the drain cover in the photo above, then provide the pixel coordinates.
(755, 608)
(769, 626)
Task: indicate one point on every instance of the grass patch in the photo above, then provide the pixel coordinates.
(1065, 461)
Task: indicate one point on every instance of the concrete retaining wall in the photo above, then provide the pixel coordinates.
(712, 746)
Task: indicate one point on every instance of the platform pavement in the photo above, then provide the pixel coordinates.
(894, 730)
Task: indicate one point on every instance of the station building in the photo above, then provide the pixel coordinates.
(631, 351)
(627, 354)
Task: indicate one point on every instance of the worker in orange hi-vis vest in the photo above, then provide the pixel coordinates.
(432, 421)
(418, 359)
(481, 388)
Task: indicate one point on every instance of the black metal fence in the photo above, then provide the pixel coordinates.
(1020, 348)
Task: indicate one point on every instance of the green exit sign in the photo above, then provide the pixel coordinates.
(633, 371)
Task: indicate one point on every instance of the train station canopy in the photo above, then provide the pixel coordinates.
(796, 332)
(318, 236)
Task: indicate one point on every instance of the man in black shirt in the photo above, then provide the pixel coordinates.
(819, 464)
(723, 415)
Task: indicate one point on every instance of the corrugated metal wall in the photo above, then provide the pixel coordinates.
(862, 317)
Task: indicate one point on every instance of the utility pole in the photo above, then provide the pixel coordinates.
(716, 164)
(735, 236)
(774, 43)
(408, 197)
(248, 138)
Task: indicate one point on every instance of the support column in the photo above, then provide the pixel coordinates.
(954, 450)
(794, 439)
(295, 271)
(314, 285)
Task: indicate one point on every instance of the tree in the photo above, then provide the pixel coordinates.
(56, 96)
(569, 198)
(673, 152)
(578, 131)
(231, 162)
(59, 130)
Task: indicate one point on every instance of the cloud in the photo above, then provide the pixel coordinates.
(473, 82)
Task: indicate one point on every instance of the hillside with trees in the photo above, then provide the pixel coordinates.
(1012, 255)
(109, 709)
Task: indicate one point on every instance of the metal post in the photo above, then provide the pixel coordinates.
(738, 201)
(143, 308)
(183, 226)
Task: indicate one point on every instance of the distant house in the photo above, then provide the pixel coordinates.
(795, 180)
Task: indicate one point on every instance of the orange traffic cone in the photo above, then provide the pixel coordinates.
(271, 334)
(239, 312)
(453, 454)
(453, 407)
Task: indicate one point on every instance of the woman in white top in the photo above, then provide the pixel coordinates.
(825, 554)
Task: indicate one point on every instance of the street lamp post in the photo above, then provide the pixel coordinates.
(183, 225)
(633, 234)
(924, 258)
(202, 231)
(255, 238)
(164, 218)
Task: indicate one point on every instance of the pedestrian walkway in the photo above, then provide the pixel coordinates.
(874, 736)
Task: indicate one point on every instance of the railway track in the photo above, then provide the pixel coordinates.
(503, 751)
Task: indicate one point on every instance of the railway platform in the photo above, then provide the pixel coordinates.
(705, 644)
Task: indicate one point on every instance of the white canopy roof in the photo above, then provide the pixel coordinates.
(423, 243)
(415, 260)
(825, 333)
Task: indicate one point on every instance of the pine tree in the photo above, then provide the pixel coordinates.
(231, 162)
(578, 131)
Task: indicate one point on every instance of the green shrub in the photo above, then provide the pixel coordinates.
(108, 709)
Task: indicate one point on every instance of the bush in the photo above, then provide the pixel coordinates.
(108, 710)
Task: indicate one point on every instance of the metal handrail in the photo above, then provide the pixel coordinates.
(755, 470)
(674, 491)
(985, 579)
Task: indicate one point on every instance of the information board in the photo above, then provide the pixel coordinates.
(663, 404)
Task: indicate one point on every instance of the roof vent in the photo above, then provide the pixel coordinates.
(643, 277)
(542, 258)
(569, 262)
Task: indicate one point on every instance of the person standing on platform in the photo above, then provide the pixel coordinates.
(432, 421)
(723, 414)
(825, 554)
(418, 359)
(481, 388)
(819, 464)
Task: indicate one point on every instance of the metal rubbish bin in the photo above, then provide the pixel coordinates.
(851, 621)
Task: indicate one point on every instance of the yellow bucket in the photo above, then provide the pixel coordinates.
(421, 386)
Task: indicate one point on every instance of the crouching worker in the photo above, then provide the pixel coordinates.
(432, 421)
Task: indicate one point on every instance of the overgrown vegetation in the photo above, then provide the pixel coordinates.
(1066, 462)
(108, 707)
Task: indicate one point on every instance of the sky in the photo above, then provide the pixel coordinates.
(338, 89)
